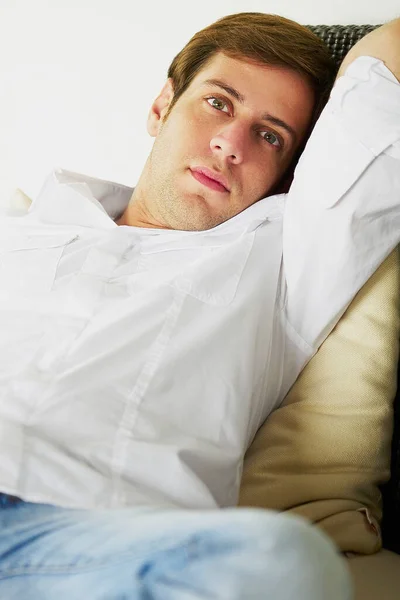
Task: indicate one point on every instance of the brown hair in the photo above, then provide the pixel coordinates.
(263, 38)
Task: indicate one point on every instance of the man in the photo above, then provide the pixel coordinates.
(147, 334)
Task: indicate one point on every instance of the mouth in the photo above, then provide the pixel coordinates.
(210, 179)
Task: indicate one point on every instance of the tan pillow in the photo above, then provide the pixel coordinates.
(19, 201)
(325, 450)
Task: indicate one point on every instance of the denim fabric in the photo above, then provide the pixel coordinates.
(48, 552)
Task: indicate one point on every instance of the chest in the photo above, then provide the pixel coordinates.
(168, 324)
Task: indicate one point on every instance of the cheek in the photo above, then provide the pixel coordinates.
(262, 175)
(260, 178)
(186, 135)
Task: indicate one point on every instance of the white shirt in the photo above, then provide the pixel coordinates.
(137, 364)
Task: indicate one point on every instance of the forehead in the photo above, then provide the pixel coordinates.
(251, 74)
(264, 88)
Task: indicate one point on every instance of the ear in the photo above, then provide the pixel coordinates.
(159, 108)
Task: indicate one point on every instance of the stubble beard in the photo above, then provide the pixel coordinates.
(180, 210)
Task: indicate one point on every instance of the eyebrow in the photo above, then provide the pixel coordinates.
(241, 99)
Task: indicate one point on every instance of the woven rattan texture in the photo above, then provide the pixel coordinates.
(339, 39)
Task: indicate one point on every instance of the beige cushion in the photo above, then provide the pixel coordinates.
(376, 577)
(19, 201)
(323, 453)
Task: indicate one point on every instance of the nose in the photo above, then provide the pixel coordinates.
(228, 144)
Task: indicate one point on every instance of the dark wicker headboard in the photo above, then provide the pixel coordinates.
(339, 39)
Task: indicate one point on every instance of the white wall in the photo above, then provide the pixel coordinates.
(77, 76)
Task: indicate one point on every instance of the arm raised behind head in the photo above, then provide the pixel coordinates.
(342, 212)
(382, 43)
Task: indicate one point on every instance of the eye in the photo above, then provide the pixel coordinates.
(218, 104)
(272, 138)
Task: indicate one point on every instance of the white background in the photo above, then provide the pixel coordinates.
(77, 77)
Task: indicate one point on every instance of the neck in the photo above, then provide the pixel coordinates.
(137, 214)
(141, 211)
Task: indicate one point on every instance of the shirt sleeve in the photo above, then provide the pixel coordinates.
(342, 213)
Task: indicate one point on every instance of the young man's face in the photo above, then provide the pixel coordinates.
(227, 141)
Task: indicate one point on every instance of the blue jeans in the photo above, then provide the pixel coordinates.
(47, 552)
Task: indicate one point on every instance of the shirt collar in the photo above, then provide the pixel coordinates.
(70, 198)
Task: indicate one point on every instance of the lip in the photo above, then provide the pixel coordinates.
(210, 179)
